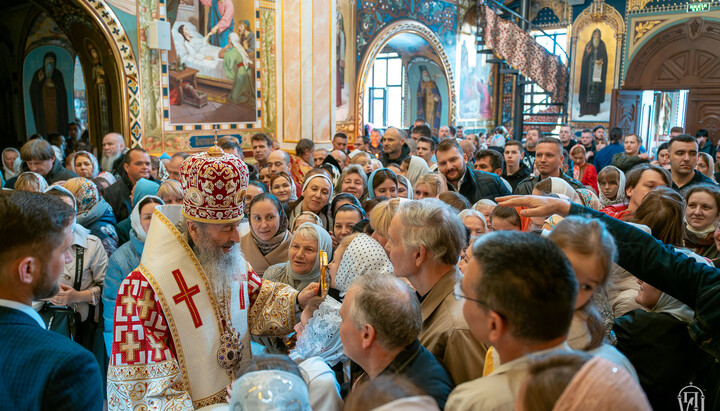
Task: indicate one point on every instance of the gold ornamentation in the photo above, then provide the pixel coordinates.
(638, 4)
(129, 346)
(146, 304)
(642, 27)
(129, 302)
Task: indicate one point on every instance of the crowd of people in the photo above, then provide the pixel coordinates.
(401, 270)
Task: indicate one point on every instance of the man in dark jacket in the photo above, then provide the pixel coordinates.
(683, 160)
(381, 320)
(548, 162)
(136, 166)
(475, 185)
(38, 156)
(394, 148)
(39, 369)
(515, 169)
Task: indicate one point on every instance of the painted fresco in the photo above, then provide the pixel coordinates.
(593, 73)
(428, 92)
(476, 86)
(48, 89)
(440, 16)
(344, 61)
(213, 67)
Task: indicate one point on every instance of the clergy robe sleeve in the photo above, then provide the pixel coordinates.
(272, 307)
(143, 373)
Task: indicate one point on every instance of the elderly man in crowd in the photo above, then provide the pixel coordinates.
(518, 295)
(425, 240)
(173, 166)
(380, 323)
(113, 148)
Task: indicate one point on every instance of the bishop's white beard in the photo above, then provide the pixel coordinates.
(106, 163)
(218, 265)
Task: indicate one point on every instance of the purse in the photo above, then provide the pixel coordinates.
(64, 319)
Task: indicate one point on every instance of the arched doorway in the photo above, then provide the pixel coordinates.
(107, 59)
(685, 56)
(410, 32)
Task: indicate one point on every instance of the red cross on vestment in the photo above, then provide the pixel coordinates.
(186, 295)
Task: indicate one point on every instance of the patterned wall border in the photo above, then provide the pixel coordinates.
(125, 59)
(256, 125)
(379, 42)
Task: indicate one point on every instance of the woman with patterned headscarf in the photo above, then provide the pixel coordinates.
(93, 212)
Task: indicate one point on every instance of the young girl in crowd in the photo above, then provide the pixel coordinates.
(383, 183)
(706, 165)
(508, 219)
(582, 170)
(591, 251)
(429, 185)
(30, 181)
(640, 181)
(364, 160)
(611, 186)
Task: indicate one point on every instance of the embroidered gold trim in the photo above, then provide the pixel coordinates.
(206, 220)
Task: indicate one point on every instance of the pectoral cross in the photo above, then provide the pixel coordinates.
(186, 295)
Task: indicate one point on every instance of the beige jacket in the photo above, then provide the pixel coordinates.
(498, 390)
(260, 262)
(446, 333)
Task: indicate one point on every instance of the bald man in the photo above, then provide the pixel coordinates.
(113, 147)
(340, 157)
(278, 161)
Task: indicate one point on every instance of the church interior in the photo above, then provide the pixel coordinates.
(155, 72)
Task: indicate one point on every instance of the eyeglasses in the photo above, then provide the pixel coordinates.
(458, 293)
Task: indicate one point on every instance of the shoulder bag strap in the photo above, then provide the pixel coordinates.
(79, 267)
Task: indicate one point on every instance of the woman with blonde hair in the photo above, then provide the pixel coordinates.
(380, 218)
(171, 192)
(429, 185)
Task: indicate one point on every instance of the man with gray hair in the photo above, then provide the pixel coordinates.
(425, 239)
(113, 148)
(380, 323)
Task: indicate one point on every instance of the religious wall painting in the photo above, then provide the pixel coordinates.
(99, 85)
(212, 72)
(428, 92)
(48, 89)
(45, 31)
(476, 86)
(593, 73)
(344, 63)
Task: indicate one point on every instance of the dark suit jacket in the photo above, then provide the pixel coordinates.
(43, 370)
(478, 185)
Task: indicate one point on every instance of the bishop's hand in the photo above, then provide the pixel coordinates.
(537, 206)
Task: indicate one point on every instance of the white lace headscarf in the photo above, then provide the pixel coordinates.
(363, 256)
(321, 336)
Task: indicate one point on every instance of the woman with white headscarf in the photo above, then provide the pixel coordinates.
(318, 345)
(126, 259)
(316, 194)
(416, 168)
(11, 163)
(556, 185)
(303, 266)
(84, 165)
